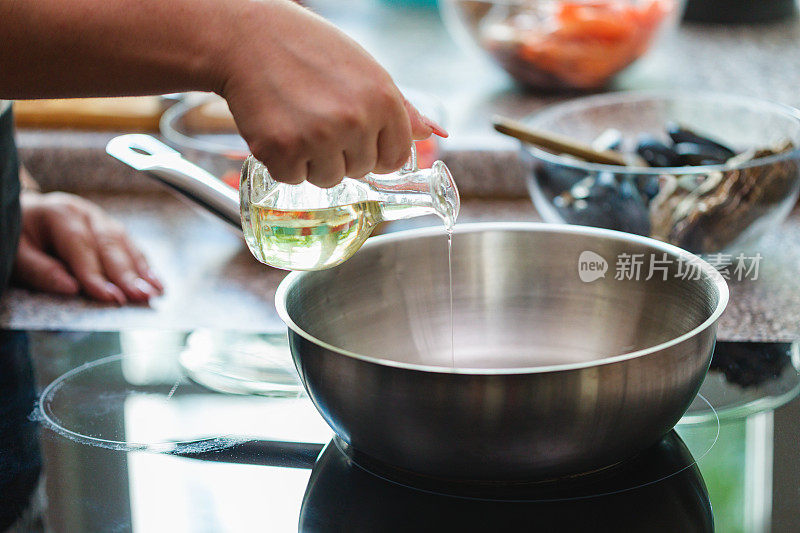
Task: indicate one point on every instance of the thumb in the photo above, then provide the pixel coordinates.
(39, 271)
(422, 126)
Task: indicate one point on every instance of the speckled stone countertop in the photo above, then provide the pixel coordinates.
(210, 277)
(212, 281)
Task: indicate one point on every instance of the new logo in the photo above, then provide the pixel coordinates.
(591, 266)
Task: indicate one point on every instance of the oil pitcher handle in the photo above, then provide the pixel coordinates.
(411, 164)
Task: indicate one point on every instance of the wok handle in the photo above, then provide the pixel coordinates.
(162, 163)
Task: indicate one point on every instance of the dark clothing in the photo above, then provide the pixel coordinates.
(20, 454)
(9, 195)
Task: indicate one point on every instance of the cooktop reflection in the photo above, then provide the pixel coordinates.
(123, 440)
(343, 495)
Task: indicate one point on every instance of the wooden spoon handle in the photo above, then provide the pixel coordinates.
(556, 143)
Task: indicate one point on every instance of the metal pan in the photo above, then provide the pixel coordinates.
(553, 376)
(167, 166)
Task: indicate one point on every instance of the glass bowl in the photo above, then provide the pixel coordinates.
(704, 209)
(561, 44)
(201, 127)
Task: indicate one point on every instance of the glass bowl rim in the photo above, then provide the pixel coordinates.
(174, 135)
(598, 100)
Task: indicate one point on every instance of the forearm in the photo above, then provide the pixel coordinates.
(70, 48)
(308, 100)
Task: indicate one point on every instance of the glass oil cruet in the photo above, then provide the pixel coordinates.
(304, 227)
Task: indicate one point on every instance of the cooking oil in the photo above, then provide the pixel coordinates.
(310, 239)
(315, 239)
(304, 227)
(450, 276)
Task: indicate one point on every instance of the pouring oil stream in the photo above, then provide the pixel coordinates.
(450, 272)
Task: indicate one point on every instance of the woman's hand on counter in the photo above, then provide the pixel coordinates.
(68, 245)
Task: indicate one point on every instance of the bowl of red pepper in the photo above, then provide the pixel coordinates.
(559, 45)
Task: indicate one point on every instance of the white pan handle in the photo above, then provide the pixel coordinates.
(162, 163)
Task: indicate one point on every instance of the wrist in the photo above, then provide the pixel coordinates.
(226, 54)
(219, 43)
(250, 26)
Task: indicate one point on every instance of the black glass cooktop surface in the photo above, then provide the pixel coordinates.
(123, 440)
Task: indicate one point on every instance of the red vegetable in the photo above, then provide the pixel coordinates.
(231, 178)
(584, 43)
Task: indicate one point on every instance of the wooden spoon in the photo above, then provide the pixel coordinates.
(556, 143)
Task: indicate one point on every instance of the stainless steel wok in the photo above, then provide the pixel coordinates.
(552, 376)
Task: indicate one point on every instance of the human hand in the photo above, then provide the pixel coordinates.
(310, 102)
(69, 244)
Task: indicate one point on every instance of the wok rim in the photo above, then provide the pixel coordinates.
(722, 287)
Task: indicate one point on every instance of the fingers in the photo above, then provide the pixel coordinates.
(39, 271)
(119, 266)
(74, 243)
(96, 250)
(141, 265)
(435, 128)
(327, 170)
(68, 244)
(421, 125)
(285, 168)
(361, 156)
(335, 134)
(394, 149)
(420, 129)
(394, 139)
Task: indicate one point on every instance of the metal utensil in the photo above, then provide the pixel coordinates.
(159, 161)
(553, 376)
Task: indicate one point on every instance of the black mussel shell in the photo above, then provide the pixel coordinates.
(656, 153)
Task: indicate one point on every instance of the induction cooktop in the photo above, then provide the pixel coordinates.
(116, 431)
